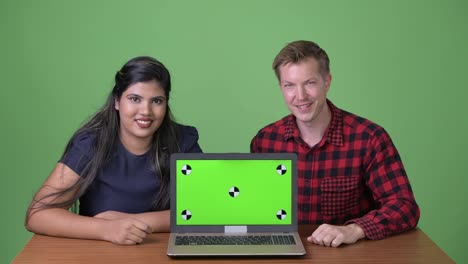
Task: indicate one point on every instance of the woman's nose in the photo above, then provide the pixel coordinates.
(145, 108)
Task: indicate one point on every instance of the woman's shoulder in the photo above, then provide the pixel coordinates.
(79, 152)
(83, 142)
(188, 138)
(187, 133)
(187, 130)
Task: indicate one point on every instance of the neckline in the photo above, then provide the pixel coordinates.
(130, 154)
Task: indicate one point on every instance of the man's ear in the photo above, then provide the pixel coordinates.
(328, 80)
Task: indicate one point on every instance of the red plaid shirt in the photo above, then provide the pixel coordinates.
(353, 175)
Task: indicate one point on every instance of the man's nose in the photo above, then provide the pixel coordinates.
(301, 92)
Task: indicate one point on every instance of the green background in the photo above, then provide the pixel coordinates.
(399, 63)
(258, 200)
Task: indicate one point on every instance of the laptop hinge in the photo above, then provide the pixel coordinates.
(235, 229)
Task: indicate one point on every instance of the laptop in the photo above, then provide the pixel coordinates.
(234, 204)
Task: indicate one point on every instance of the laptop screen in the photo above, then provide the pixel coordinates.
(233, 189)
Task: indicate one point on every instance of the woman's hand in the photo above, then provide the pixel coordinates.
(125, 231)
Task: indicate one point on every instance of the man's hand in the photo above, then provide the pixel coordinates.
(333, 236)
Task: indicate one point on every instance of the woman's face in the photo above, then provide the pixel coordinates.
(142, 108)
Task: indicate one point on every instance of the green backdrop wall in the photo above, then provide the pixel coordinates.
(399, 63)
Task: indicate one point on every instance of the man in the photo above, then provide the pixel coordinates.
(350, 176)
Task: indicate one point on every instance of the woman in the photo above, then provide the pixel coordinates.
(117, 164)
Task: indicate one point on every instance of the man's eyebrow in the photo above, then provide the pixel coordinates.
(310, 79)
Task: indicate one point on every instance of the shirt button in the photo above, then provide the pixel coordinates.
(309, 157)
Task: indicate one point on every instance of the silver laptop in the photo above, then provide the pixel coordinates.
(234, 204)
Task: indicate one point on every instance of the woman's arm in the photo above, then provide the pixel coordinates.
(158, 221)
(60, 222)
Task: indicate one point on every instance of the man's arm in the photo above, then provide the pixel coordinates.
(395, 207)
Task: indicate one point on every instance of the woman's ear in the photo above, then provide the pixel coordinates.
(116, 104)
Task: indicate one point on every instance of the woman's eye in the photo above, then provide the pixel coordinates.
(135, 99)
(157, 101)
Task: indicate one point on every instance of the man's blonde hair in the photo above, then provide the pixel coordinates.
(299, 51)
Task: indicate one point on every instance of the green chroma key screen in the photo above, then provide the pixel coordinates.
(234, 192)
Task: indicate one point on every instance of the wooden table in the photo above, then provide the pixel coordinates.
(410, 247)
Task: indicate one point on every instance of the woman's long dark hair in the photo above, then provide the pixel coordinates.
(105, 125)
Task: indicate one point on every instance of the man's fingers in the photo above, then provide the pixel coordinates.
(343, 235)
(336, 242)
(328, 235)
(328, 239)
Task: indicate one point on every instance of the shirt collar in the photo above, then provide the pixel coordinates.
(333, 134)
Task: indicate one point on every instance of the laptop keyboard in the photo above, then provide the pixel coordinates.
(235, 240)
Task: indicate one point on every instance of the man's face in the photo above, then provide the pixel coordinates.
(304, 90)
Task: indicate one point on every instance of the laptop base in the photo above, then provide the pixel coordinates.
(234, 250)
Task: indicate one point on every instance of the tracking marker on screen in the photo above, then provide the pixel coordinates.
(281, 214)
(281, 169)
(186, 169)
(186, 214)
(234, 191)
